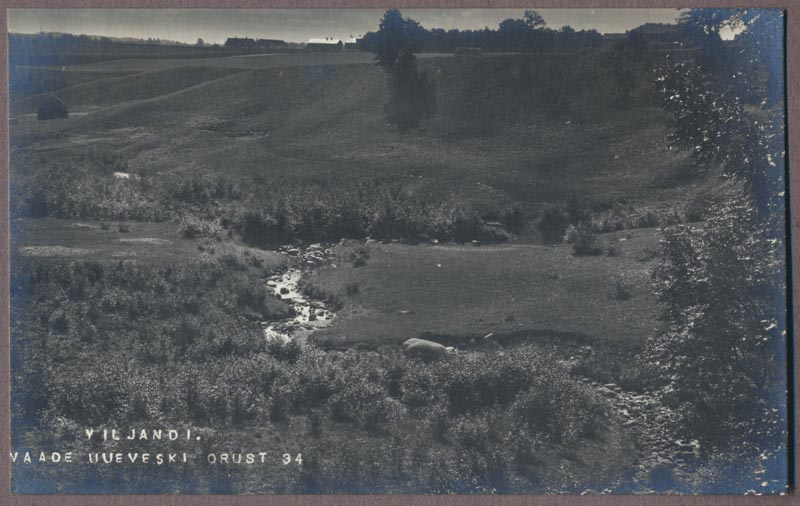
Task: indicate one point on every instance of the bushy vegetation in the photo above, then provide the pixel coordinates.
(379, 211)
(723, 358)
(412, 94)
(603, 216)
(262, 214)
(583, 240)
(122, 343)
(525, 34)
(86, 189)
(170, 313)
(727, 341)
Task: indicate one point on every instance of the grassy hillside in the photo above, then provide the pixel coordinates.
(99, 93)
(24, 81)
(494, 140)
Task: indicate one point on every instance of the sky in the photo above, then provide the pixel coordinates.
(299, 25)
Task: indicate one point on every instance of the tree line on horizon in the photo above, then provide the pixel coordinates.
(527, 33)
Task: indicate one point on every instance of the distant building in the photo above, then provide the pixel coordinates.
(248, 43)
(351, 43)
(328, 44)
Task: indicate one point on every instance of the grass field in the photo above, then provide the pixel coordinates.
(319, 118)
(463, 292)
(149, 243)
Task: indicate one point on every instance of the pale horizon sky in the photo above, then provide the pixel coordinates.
(298, 25)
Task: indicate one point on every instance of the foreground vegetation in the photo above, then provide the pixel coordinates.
(120, 344)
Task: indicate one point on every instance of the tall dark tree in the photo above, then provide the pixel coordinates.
(534, 20)
(398, 39)
(412, 94)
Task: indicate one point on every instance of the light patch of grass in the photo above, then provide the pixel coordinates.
(461, 292)
(157, 243)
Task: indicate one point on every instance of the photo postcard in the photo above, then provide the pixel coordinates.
(382, 251)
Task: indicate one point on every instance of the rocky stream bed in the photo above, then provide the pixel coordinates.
(309, 314)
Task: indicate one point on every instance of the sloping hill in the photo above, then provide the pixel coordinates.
(115, 90)
(495, 136)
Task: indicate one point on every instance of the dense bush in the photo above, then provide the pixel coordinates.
(603, 216)
(169, 343)
(263, 214)
(723, 356)
(88, 192)
(721, 287)
(626, 217)
(560, 415)
(192, 227)
(553, 224)
(583, 240)
(412, 94)
(121, 343)
(90, 305)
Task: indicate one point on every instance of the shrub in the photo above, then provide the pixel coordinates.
(513, 219)
(471, 431)
(92, 395)
(622, 291)
(354, 253)
(316, 419)
(285, 351)
(553, 224)
(192, 227)
(583, 240)
(560, 412)
(720, 357)
(261, 228)
(279, 404)
(233, 261)
(360, 260)
(352, 288)
(438, 423)
(422, 386)
(363, 401)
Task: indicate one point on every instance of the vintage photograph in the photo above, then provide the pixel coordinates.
(417, 251)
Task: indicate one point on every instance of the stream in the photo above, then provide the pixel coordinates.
(309, 315)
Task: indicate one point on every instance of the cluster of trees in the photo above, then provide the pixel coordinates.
(513, 35)
(48, 49)
(723, 285)
(412, 94)
(35, 49)
(64, 42)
